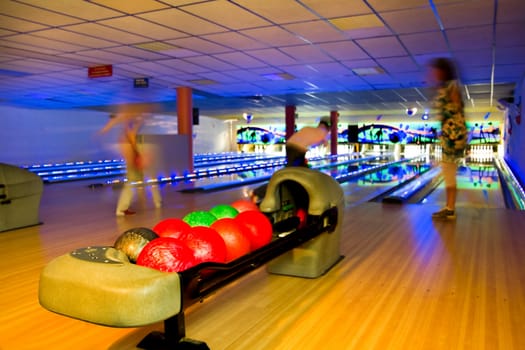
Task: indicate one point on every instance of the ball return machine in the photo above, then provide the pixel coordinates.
(99, 285)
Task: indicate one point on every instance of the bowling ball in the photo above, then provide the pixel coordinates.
(199, 218)
(302, 215)
(224, 211)
(244, 205)
(171, 227)
(258, 228)
(132, 241)
(166, 254)
(234, 236)
(206, 244)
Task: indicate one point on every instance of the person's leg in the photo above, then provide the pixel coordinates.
(128, 192)
(449, 170)
(295, 156)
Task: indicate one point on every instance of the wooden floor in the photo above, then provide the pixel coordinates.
(406, 282)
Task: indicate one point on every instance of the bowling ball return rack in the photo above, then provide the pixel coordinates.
(100, 285)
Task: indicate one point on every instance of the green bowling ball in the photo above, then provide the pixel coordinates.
(199, 218)
(224, 211)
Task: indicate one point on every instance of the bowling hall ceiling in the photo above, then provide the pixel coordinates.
(256, 56)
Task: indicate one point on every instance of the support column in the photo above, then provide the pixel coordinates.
(289, 112)
(334, 119)
(185, 119)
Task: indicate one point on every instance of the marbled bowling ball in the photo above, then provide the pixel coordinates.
(132, 241)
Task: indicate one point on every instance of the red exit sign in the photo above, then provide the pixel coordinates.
(100, 71)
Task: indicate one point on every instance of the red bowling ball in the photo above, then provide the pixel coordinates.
(166, 254)
(244, 205)
(171, 227)
(206, 244)
(234, 236)
(259, 229)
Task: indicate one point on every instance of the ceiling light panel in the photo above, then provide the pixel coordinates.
(316, 31)
(279, 11)
(357, 22)
(183, 22)
(144, 28)
(337, 8)
(80, 9)
(23, 11)
(132, 7)
(227, 14)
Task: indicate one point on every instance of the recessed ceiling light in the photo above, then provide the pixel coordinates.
(203, 82)
(279, 76)
(368, 71)
(357, 22)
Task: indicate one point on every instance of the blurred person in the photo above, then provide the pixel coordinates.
(130, 125)
(297, 146)
(454, 134)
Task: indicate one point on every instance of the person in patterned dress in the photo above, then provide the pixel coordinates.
(454, 134)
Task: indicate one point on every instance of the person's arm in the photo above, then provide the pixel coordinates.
(113, 120)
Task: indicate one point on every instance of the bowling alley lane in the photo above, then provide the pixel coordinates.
(479, 186)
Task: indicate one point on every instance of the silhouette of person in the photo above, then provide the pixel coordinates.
(130, 125)
(454, 134)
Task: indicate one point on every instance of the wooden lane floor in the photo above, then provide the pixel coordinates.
(406, 281)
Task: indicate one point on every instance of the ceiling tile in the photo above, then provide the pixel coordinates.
(240, 60)
(199, 45)
(506, 34)
(470, 38)
(510, 11)
(219, 77)
(466, 14)
(184, 66)
(382, 5)
(422, 43)
(272, 57)
(306, 53)
(398, 64)
(103, 32)
(143, 28)
(331, 69)
(227, 14)
(40, 16)
(80, 9)
(235, 41)
(411, 21)
(511, 55)
(301, 71)
(132, 7)
(106, 57)
(316, 31)
(382, 47)
(39, 43)
(481, 57)
(274, 36)
(183, 22)
(137, 53)
(211, 63)
(19, 25)
(337, 8)
(74, 38)
(279, 11)
(343, 50)
(367, 63)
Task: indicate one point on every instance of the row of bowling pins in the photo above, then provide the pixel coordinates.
(481, 153)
